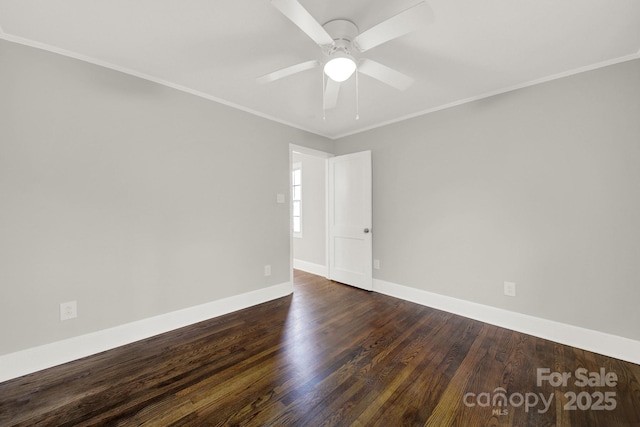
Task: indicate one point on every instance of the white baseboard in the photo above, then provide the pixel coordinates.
(309, 267)
(595, 341)
(34, 359)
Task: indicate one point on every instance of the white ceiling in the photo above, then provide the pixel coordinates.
(468, 49)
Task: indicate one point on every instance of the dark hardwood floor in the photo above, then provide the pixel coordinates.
(331, 355)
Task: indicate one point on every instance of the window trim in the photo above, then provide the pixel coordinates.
(295, 167)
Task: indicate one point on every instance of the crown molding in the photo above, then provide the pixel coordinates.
(541, 80)
(151, 78)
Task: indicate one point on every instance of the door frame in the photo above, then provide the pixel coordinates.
(322, 155)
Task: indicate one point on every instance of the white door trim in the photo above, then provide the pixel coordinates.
(293, 148)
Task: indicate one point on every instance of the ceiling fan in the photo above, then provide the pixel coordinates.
(341, 42)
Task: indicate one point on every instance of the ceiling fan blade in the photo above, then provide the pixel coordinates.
(276, 75)
(385, 74)
(399, 25)
(331, 92)
(303, 19)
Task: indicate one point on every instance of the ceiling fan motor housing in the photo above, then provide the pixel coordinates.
(342, 32)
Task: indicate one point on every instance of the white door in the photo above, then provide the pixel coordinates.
(350, 242)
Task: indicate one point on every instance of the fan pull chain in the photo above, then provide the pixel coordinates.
(324, 112)
(357, 95)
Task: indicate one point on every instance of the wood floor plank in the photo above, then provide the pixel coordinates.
(328, 355)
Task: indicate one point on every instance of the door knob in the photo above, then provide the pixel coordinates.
(366, 230)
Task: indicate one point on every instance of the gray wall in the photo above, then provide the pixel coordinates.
(131, 198)
(311, 247)
(135, 199)
(539, 186)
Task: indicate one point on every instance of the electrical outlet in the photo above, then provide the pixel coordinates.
(376, 264)
(510, 289)
(267, 270)
(68, 310)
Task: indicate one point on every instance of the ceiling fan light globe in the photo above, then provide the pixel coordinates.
(340, 68)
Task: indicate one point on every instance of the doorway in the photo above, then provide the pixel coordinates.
(308, 172)
(331, 215)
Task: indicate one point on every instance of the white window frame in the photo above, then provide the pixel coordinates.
(296, 167)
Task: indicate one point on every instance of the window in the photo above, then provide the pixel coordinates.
(296, 198)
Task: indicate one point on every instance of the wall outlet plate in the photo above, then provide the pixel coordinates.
(68, 310)
(376, 264)
(267, 270)
(510, 289)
